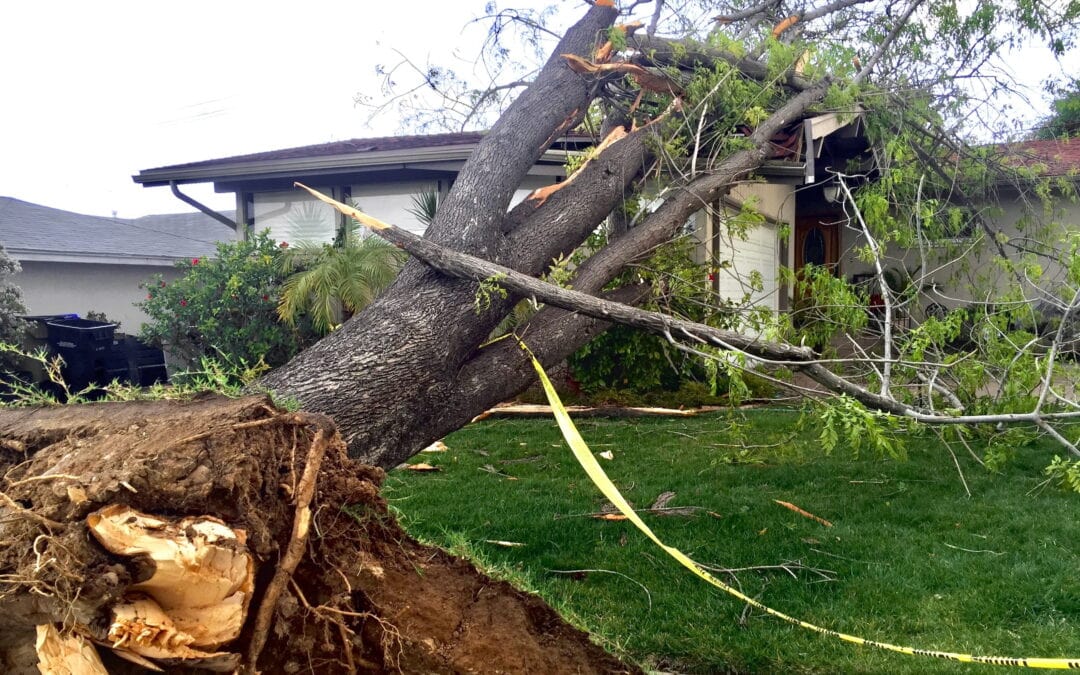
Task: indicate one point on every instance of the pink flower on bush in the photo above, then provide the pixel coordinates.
(163, 284)
(265, 298)
(183, 303)
(149, 296)
(194, 261)
(284, 244)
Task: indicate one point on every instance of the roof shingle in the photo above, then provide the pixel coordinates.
(1059, 157)
(33, 228)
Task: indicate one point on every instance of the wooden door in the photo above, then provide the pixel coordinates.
(817, 242)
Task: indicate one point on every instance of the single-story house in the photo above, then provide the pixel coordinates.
(74, 263)
(794, 192)
(1017, 222)
(381, 176)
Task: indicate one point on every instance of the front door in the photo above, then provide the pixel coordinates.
(817, 242)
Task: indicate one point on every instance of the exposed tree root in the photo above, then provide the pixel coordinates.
(334, 585)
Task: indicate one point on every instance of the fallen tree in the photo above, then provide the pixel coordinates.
(253, 544)
(686, 119)
(333, 584)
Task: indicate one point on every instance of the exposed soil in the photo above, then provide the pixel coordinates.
(365, 597)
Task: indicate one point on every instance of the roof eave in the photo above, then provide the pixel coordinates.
(306, 166)
(36, 255)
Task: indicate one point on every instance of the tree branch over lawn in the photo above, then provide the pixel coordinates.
(463, 266)
(694, 114)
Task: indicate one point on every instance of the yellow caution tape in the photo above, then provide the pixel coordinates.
(596, 473)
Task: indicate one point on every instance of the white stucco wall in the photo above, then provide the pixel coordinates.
(76, 288)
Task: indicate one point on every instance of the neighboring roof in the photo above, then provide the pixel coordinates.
(1056, 157)
(35, 232)
(432, 152)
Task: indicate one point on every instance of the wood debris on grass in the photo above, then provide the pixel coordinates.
(437, 446)
(659, 507)
(803, 513)
(609, 516)
(492, 470)
(421, 467)
(536, 410)
(506, 544)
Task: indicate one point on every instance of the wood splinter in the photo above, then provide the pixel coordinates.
(197, 598)
(540, 195)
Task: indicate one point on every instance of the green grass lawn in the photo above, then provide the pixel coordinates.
(910, 559)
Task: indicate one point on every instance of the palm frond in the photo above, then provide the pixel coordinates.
(424, 206)
(327, 283)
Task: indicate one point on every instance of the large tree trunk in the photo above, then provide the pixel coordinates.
(350, 592)
(388, 376)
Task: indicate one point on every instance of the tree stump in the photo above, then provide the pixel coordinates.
(227, 534)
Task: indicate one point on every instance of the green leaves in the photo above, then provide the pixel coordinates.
(1065, 472)
(222, 307)
(845, 421)
(331, 283)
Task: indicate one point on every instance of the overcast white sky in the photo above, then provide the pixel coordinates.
(95, 91)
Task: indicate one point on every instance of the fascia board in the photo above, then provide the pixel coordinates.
(23, 255)
(366, 161)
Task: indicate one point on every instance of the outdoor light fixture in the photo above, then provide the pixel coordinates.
(831, 192)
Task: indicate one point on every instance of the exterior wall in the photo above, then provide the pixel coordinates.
(76, 288)
(294, 216)
(963, 271)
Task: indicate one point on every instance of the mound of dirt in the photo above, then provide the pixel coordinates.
(338, 587)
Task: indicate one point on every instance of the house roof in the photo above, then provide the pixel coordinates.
(35, 232)
(1055, 157)
(349, 147)
(432, 152)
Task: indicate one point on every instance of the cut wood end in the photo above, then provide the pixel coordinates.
(199, 592)
(68, 654)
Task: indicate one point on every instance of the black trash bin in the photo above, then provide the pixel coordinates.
(86, 347)
(135, 362)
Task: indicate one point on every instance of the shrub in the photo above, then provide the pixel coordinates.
(11, 306)
(223, 307)
(627, 358)
(328, 284)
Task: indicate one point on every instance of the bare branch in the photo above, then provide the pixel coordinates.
(655, 18)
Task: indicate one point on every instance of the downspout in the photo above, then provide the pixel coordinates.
(200, 206)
